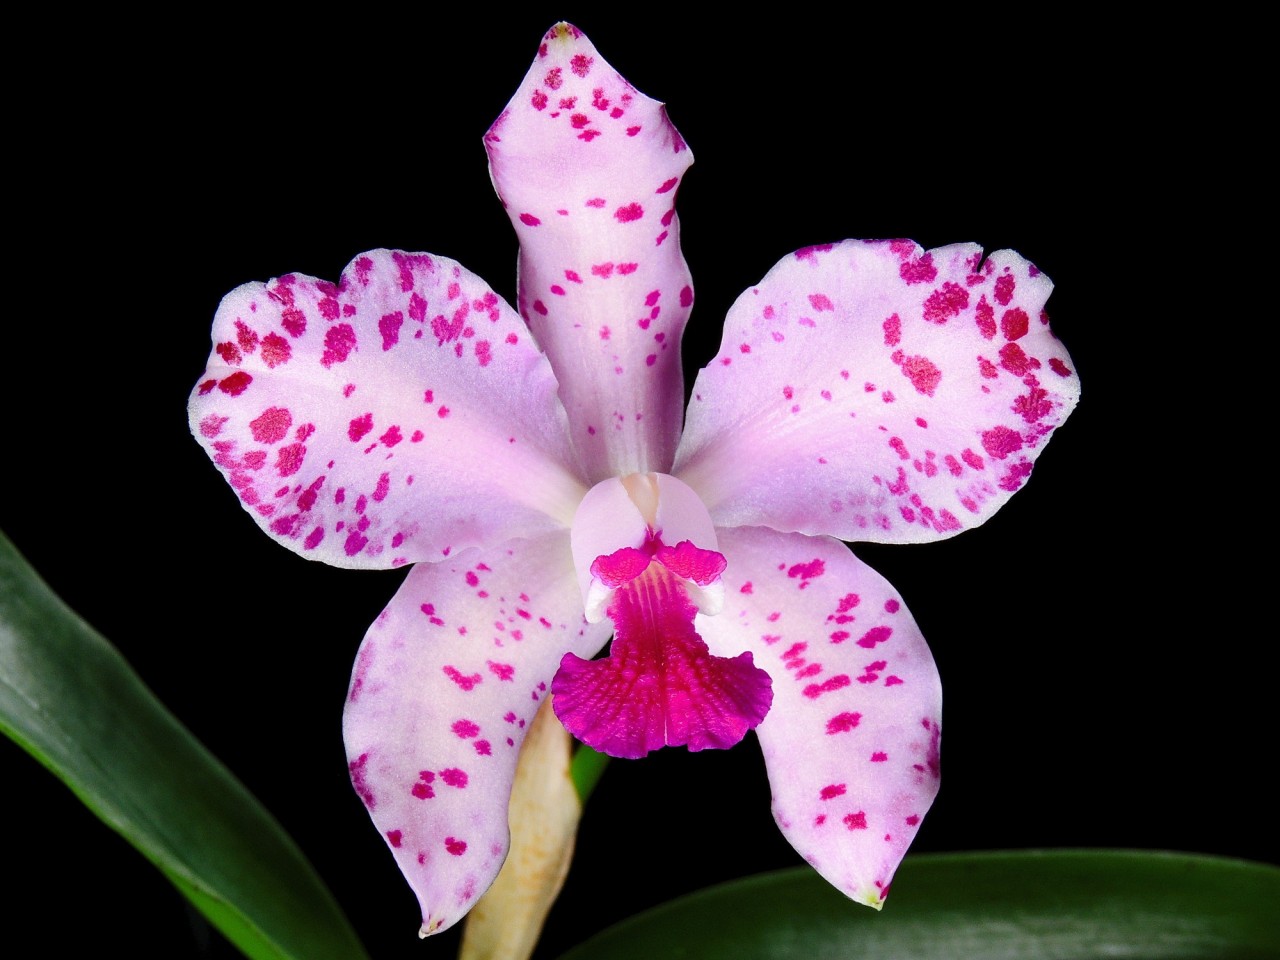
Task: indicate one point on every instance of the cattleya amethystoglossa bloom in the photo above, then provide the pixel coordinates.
(531, 469)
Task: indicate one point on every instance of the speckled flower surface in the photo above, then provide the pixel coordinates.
(532, 467)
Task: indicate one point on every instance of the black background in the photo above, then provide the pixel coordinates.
(1100, 685)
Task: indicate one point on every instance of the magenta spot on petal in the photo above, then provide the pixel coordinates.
(917, 271)
(294, 322)
(483, 748)
(212, 425)
(806, 571)
(454, 777)
(339, 342)
(529, 220)
(466, 729)
(945, 302)
(1060, 368)
(879, 757)
(923, 374)
(466, 682)
(356, 768)
(856, 821)
(999, 442)
(503, 671)
(875, 635)
(1013, 359)
(389, 326)
(235, 384)
(1004, 290)
(272, 426)
(831, 791)
(912, 820)
(229, 353)
(1014, 324)
(454, 846)
(632, 211)
(359, 427)
(892, 606)
(815, 690)
(289, 459)
(395, 837)
(892, 330)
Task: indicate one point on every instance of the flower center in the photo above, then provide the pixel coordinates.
(660, 685)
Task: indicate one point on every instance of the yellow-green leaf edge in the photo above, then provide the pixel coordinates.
(1029, 905)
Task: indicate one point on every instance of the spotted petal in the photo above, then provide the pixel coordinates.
(392, 417)
(851, 743)
(446, 682)
(878, 392)
(587, 168)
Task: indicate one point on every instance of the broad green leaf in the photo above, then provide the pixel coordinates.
(1068, 905)
(71, 701)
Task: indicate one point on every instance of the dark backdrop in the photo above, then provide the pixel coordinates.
(155, 175)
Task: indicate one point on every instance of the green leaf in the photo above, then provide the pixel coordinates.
(1067, 905)
(70, 700)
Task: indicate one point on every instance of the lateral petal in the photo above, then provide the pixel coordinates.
(851, 743)
(397, 415)
(587, 168)
(873, 391)
(445, 684)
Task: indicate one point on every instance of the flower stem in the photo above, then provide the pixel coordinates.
(585, 770)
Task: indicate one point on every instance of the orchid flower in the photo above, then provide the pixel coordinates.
(530, 467)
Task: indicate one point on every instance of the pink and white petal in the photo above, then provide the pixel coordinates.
(446, 682)
(587, 168)
(851, 742)
(397, 415)
(873, 391)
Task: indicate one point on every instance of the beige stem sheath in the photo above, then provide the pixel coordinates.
(544, 813)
